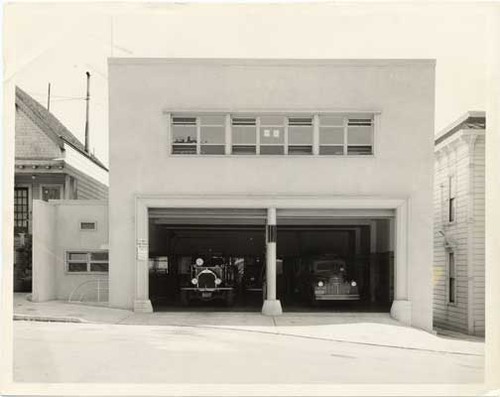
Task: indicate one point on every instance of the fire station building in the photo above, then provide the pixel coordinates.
(265, 166)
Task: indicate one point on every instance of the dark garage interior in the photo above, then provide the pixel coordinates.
(234, 243)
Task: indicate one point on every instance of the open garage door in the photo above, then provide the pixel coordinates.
(231, 243)
(336, 259)
(222, 249)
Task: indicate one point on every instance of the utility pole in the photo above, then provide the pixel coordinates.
(48, 98)
(87, 100)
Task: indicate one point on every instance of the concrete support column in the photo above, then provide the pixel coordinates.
(141, 298)
(401, 306)
(271, 306)
(373, 258)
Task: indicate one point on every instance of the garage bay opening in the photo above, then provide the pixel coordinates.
(215, 259)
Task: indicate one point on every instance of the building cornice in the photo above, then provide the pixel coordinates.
(272, 62)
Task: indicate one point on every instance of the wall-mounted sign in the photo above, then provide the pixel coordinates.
(276, 133)
(267, 133)
(142, 250)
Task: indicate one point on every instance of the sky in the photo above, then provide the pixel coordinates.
(57, 43)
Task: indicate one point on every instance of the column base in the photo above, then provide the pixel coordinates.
(143, 306)
(401, 311)
(272, 308)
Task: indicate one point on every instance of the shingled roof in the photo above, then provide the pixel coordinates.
(49, 124)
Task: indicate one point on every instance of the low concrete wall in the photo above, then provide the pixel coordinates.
(60, 232)
(44, 252)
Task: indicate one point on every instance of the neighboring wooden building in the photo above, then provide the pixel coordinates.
(50, 163)
(459, 225)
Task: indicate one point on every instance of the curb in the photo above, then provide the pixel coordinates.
(53, 319)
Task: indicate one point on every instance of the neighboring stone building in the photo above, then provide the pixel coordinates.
(50, 164)
(459, 225)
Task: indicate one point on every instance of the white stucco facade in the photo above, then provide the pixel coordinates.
(144, 93)
(56, 233)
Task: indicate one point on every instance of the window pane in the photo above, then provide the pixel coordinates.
(213, 120)
(212, 149)
(272, 120)
(302, 149)
(359, 136)
(452, 210)
(244, 149)
(359, 150)
(87, 225)
(331, 150)
(272, 150)
(243, 121)
(183, 134)
(452, 264)
(183, 120)
(51, 193)
(20, 208)
(77, 267)
(331, 135)
(99, 267)
(300, 135)
(296, 121)
(244, 134)
(331, 120)
(360, 120)
(99, 256)
(272, 135)
(77, 256)
(184, 149)
(452, 290)
(212, 134)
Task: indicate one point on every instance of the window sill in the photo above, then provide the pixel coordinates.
(84, 273)
(324, 156)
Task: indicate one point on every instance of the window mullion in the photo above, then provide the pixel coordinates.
(170, 139)
(316, 143)
(198, 136)
(346, 123)
(228, 137)
(285, 138)
(257, 138)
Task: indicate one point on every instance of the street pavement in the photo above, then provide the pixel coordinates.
(113, 345)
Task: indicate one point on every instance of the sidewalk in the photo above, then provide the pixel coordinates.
(370, 329)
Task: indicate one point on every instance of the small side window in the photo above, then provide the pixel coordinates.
(451, 278)
(88, 225)
(88, 261)
(451, 199)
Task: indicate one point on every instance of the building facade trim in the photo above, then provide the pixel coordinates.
(401, 309)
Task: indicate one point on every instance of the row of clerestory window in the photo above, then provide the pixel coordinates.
(219, 134)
